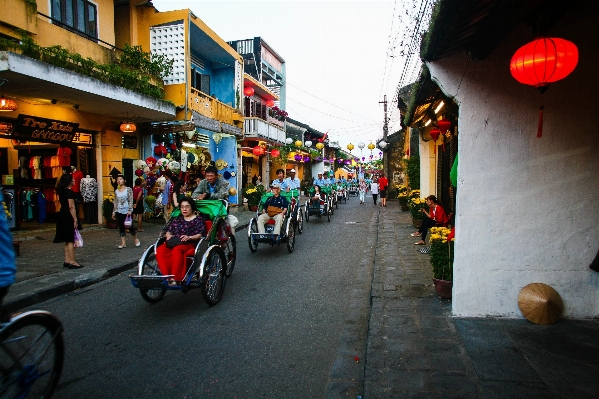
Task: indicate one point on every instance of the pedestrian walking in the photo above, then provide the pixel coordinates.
(362, 187)
(138, 202)
(383, 183)
(374, 189)
(123, 207)
(67, 221)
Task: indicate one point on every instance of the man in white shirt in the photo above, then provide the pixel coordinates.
(292, 182)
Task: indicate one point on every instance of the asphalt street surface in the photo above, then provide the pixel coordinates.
(275, 334)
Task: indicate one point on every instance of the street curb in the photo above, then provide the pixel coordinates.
(80, 281)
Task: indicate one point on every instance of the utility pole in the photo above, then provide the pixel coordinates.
(385, 131)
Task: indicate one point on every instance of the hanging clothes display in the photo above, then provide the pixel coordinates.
(23, 166)
(89, 189)
(64, 154)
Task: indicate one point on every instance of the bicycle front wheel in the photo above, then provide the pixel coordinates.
(31, 356)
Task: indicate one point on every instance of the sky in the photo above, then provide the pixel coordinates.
(342, 57)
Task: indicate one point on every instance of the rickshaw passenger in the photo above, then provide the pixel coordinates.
(182, 236)
(317, 197)
(276, 201)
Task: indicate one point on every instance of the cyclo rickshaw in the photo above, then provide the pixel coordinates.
(341, 190)
(321, 207)
(208, 265)
(352, 189)
(287, 234)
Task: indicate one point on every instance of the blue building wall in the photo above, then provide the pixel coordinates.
(222, 85)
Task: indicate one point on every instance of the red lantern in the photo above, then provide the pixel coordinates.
(270, 103)
(444, 125)
(541, 62)
(435, 135)
(248, 91)
(258, 151)
(275, 153)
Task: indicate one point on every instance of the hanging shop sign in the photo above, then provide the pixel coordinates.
(33, 128)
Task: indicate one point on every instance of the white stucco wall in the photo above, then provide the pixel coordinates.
(527, 208)
(427, 168)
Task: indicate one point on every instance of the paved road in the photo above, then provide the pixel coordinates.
(276, 333)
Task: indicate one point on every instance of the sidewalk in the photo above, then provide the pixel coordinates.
(415, 348)
(41, 276)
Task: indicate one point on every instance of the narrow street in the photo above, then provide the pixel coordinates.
(275, 334)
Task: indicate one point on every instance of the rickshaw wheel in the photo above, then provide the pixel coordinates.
(150, 268)
(213, 285)
(290, 236)
(253, 229)
(307, 212)
(300, 221)
(230, 250)
(329, 213)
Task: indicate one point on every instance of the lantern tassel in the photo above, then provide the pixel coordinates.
(540, 127)
(435, 147)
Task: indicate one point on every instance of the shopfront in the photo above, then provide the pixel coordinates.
(34, 153)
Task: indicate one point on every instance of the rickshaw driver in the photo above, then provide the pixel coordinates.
(281, 181)
(275, 201)
(293, 183)
(332, 179)
(212, 187)
(320, 181)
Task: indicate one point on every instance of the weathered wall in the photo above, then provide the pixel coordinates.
(527, 207)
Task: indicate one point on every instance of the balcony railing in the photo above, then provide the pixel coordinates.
(210, 107)
(256, 127)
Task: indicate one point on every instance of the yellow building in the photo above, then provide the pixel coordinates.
(71, 97)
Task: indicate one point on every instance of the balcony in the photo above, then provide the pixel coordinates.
(209, 107)
(259, 128)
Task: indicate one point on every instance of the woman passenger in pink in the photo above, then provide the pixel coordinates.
(185, 230)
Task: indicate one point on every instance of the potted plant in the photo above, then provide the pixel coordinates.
(151, 202)
(442, 261)
(107, 208)
(253, 194)
(403, 194)
(416, 205)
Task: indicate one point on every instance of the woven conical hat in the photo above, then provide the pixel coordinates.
(540, 303)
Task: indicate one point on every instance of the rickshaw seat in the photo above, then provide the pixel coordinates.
(208, 225)
(270, 221)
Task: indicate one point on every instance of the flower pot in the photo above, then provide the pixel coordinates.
(253, 208)
(417, 223)
(443, 288)
(112, 224)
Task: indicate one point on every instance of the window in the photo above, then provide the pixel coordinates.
(78, 15)
(200, 81)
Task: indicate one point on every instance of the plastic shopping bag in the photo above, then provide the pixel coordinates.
(128, 221)
(78, 241)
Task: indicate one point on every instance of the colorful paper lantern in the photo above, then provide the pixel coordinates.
(371, 146)
(320, 146)
(7, 105)
(542, 62)
(308, 143)
(350, 147)
(306, 158)
(444, 125)
(275, 153)
(258, 151)
(298, 157)
(270, 103)
(288, 140)
(298, 143)
(128, 127)
(248, 91)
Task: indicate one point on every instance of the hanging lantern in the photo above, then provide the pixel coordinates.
(542, 62)
(350, 147)
(288, 140)
(258, 151)
(363, 158)
(298, 157)
(270, 103)
(308, 143)
(347, 162)
(7, 105)
(248, 91)
(306, 158)
(435, 135)
(217, 137)
(128, 127)
(361, 145)
(382, 144)
(371, 146)
(298, 143)
(444, 125)
(275, 153)
(320, 146)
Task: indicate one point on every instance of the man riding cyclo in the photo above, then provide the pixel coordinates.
(331, 178)
(275, 208)
(281, 181)
(212, 187)
(320, 181)
(292, 182)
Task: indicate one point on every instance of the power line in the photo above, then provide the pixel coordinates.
(325, 101)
